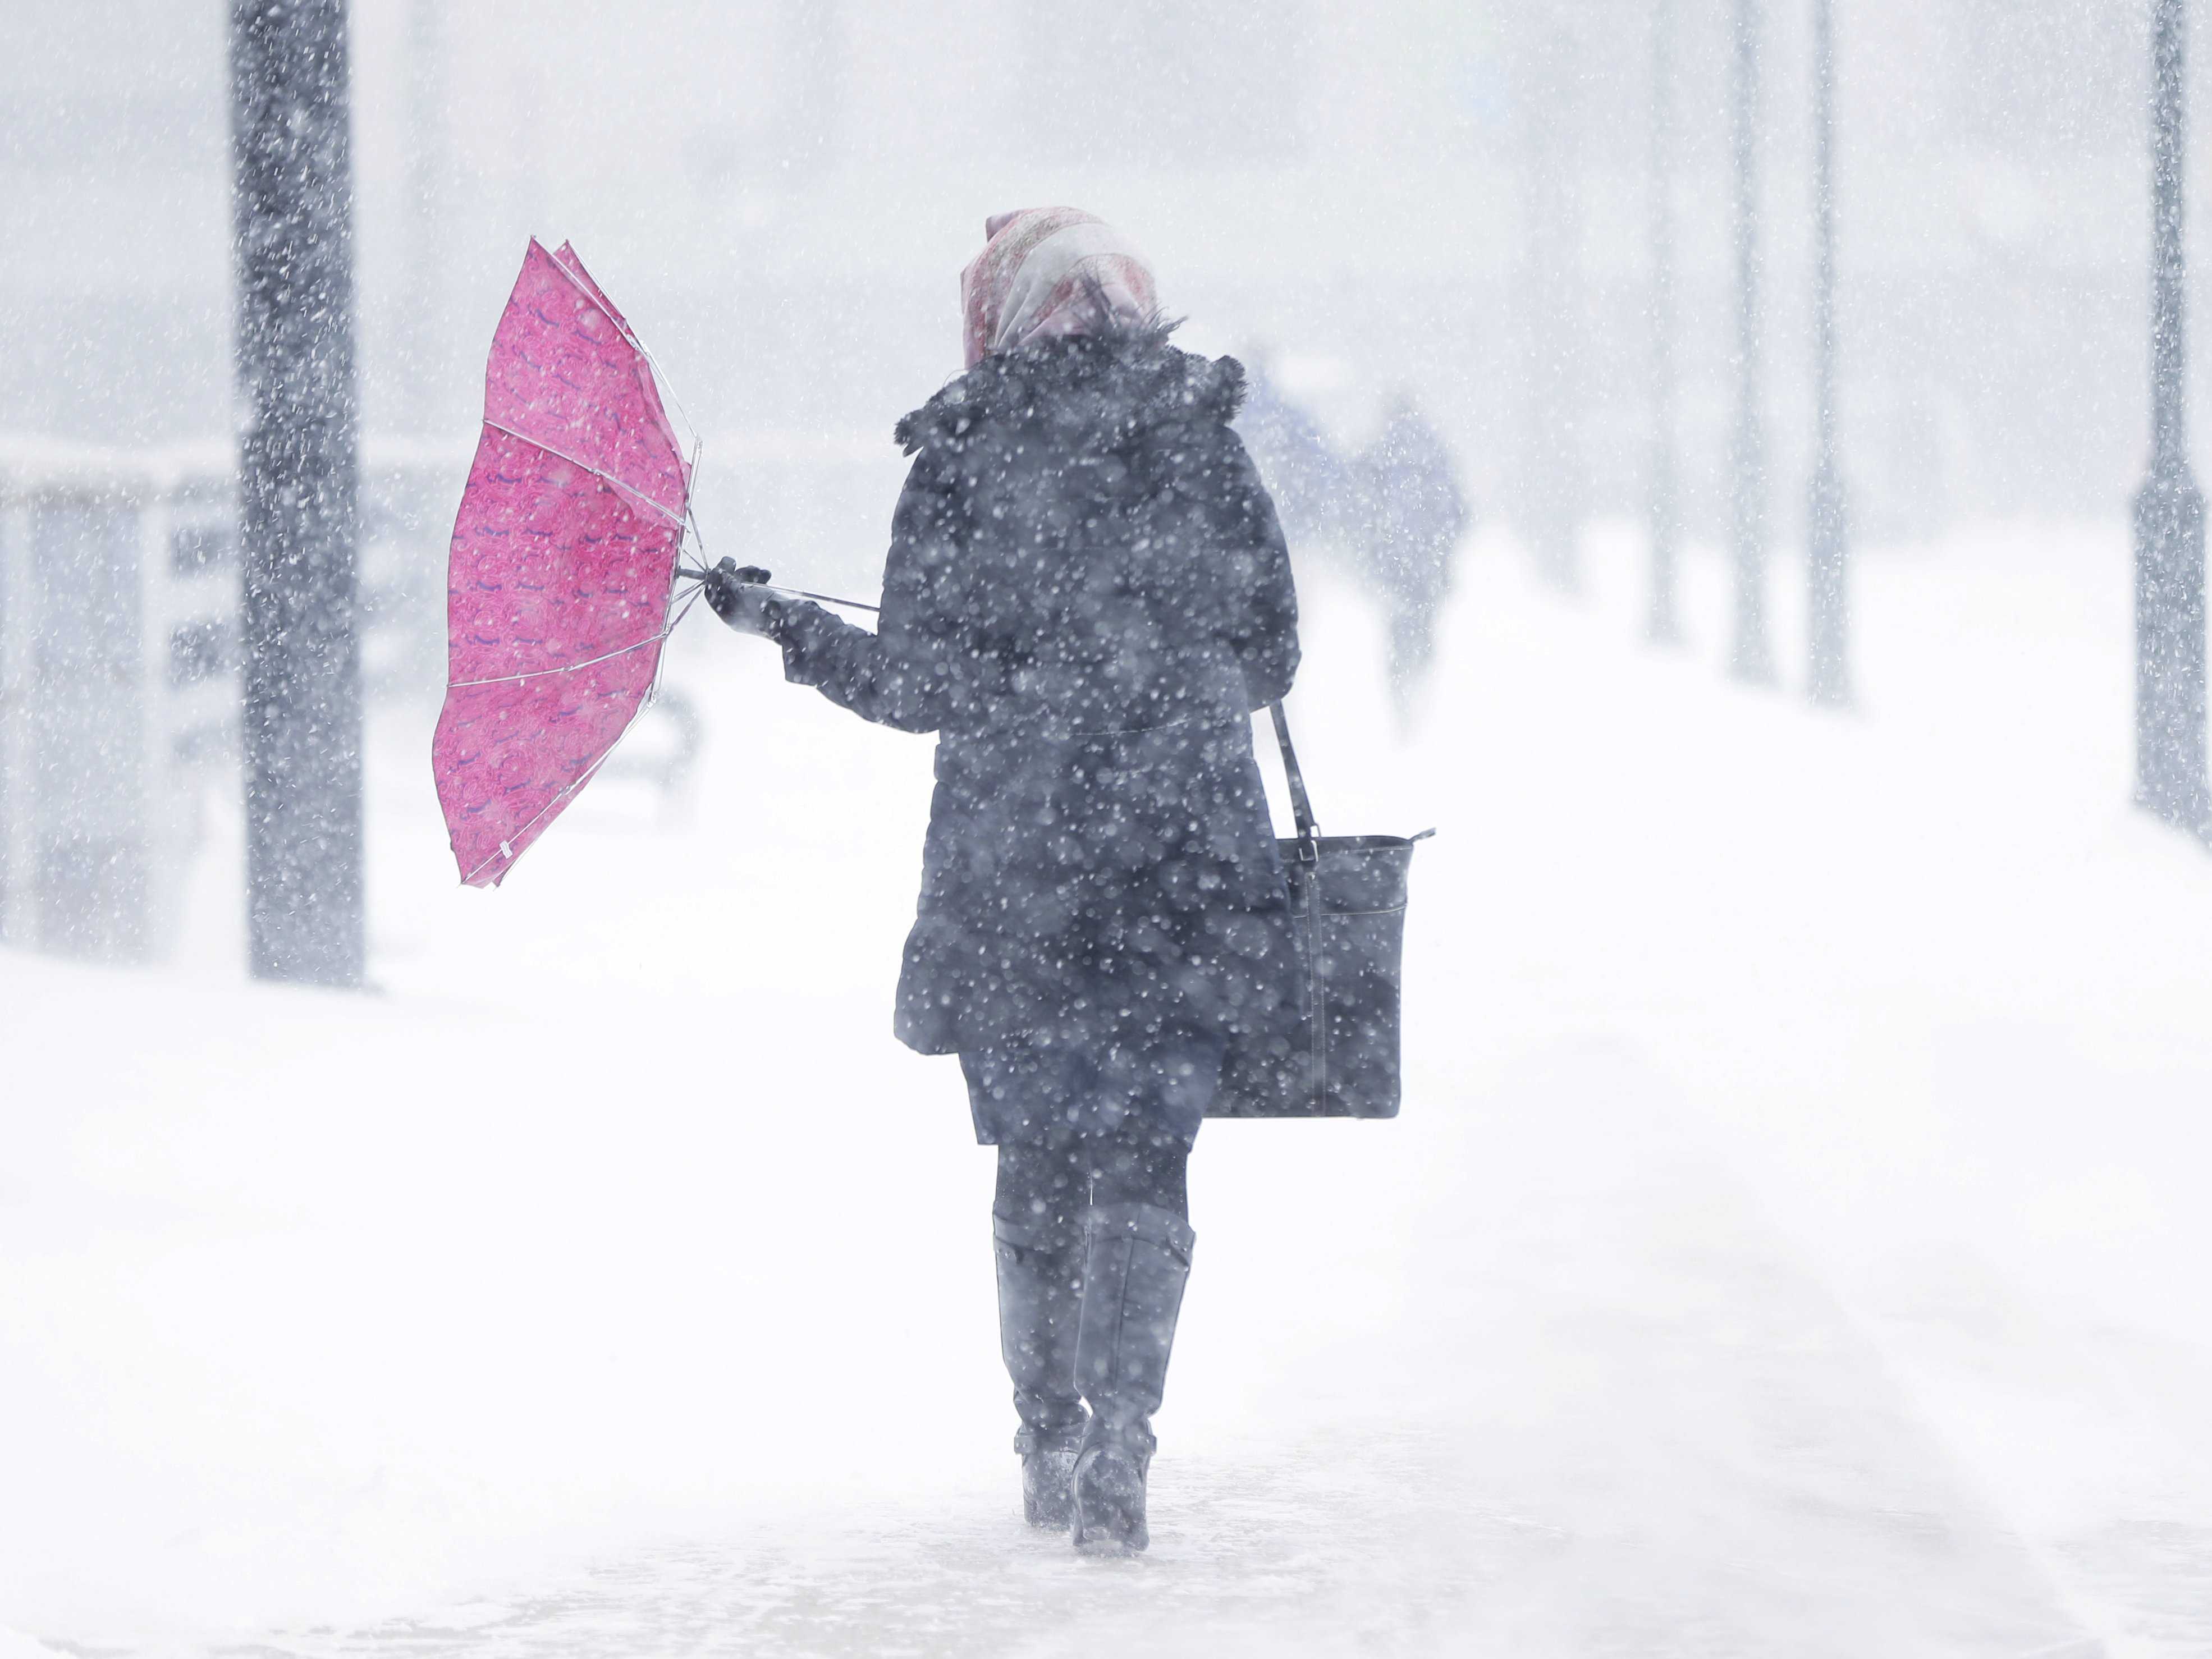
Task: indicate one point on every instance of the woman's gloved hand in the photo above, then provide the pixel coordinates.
(739, 597)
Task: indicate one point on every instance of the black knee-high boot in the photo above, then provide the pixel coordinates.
(1040, 1296)
(1137, 1259)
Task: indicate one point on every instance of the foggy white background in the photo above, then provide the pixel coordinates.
(1794, 1240)
(786, 191)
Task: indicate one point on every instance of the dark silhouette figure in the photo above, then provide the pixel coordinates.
(1414, 515)
(1087, 595)
(1313, 488)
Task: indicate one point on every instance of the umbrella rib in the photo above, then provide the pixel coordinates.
(507, 842)
(583, 288)
(566, 667)
(590, 771)
(540, 443)
(628, 334)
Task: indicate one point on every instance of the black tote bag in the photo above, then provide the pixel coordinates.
(1348, 899)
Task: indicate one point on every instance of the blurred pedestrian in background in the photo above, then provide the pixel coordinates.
(1313, 488)
(1392, 516)
(1412, 516)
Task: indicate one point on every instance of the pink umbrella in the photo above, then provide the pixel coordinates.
(562, 573)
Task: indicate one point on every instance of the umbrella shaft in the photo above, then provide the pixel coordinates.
(796, 592)
(831, 598)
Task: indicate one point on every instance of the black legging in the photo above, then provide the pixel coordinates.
(1078, 1127)
(1049, 1184)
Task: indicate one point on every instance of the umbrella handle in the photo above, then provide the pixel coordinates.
(751, 575)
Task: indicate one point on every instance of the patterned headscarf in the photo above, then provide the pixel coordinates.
(1040, 275)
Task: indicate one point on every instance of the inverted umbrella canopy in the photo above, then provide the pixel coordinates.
(563, 567)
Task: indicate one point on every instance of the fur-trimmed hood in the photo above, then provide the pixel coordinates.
(1106, 388)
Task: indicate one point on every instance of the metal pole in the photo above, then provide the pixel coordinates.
(298, 469)
(421, 331)
(1663, 623)
(1552, 280)
(1749, 659)
(2169, 509)
(1827, 525)
(19, 640)
(814, 118)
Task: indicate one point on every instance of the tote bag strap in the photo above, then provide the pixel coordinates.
(1301, 808)
(1316, 990)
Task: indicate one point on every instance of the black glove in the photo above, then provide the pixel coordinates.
(739, 597)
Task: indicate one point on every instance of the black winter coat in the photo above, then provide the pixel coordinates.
(1086, 595)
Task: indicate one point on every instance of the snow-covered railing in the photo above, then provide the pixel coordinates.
(118, 642)
(118, 623)
(119, 658)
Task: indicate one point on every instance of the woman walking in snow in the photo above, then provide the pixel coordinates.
(1086, 595)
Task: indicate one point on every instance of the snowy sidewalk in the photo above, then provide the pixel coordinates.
(1602, 1413)
(1790, 1246)
(1576, 1396)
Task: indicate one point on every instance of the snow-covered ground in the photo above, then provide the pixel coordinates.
(1793, 1243)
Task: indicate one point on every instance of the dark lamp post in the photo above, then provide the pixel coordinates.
(298, 414)
(2169, 509)
(1827, 511)
(1749, 657)
(1663, 624)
